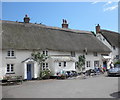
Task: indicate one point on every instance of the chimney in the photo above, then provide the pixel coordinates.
(26, 19)
(97, 28)
(64, 24)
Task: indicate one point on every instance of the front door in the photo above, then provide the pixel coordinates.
(105, 64)
(29, 77)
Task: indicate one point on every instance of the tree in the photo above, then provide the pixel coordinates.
(40, 58)
(81, 62)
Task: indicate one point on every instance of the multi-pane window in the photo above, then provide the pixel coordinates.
(95, 54)
(45, 53)
(11, 53)
(10, 68)
(64, 64)
(72, 53)
(96, 63)
(60, 64)
(88, 63)
(45, 66)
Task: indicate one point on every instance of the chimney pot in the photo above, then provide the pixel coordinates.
(97, 28)
(64, 24)
(26, 19)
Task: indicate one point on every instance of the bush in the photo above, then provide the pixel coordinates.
(45, 74)
(118, 62)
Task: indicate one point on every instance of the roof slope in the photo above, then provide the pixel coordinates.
(33, 36)
(112, 37)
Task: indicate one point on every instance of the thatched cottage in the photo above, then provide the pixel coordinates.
(112, 40)
(62, 45)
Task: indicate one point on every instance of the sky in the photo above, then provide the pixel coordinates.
(80, 15)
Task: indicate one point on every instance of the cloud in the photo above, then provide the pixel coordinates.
(94, 2)
(109, 2)
(111, 8)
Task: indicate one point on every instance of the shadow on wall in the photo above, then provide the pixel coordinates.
(115, 94)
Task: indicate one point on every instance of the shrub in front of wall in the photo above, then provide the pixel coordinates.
(118, 62)
(45, 74)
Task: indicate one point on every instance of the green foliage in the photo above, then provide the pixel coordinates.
(38, 57)
(45, 74)
(118, 62)
(81, 62)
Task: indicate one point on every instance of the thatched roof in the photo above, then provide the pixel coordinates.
(112, 37)
(30, 36)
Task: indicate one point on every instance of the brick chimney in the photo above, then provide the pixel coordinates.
(64, 24)
(97, 28)
(26, 19)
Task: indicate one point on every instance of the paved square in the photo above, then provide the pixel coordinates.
(93, 87)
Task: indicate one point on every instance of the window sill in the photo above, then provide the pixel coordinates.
(10, 73)
(10, 57)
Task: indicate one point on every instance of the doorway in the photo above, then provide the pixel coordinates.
(29, 71)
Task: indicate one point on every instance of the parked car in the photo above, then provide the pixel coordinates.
(114, 71)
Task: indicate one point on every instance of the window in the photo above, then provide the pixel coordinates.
(10, 68)
(95, 54)
(10, 53)
(117, 56)
(45, 53)
(45, 66)
(96, 63)
(64, 64)
(114, 47)
(88, 63)
(104, 54)
(76, 65)
(72, 53)
(60, 64)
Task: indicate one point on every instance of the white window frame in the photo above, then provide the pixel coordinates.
(60, 64)
(45, 66)
(11, 53)
(10, 68)
(88, 63)
(45, 52)
(64, 63)
(96, 63)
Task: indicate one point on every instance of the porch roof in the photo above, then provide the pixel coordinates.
(106, 57)
(28, 60)
(62, 59)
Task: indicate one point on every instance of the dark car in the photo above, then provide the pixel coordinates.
(114, 71)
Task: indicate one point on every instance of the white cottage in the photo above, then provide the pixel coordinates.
(111, 40)
(62, 45)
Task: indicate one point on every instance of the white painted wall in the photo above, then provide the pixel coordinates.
(0, 64)
(114, 52)
(21, 55)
